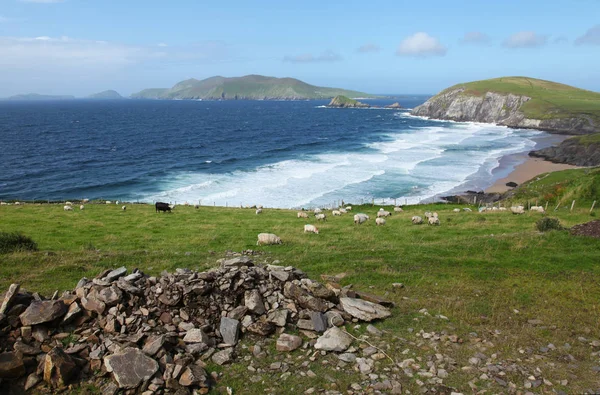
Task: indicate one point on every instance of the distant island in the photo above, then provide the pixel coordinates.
(106, 95)
(341, 101)
(250, 87)
(38, 97)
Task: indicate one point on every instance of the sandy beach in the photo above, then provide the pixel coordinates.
(526, 171)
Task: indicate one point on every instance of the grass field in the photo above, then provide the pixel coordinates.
(548, 99)
(489, 273)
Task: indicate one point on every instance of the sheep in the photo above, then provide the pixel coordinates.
(124, 208)
(433, 220)
(302, 214)
(311, 229)
(456, 210)
(17, 203)
(502, 209)
(85, 200)
(343, 211)
(539, 209)
(258, 211)
(196, 206)
(317, 211)
(321, 217)
(379, 221)
(434, 214)
(382, 213)
(81, 207)
(108, 202)
(260, 207)
(68, 208)
(416, 220)
(267, 239)
(398, 209)
(428, 214)
(348, 208)
(68, 203)
(517, 209)
(465, 209)
(360, 218)
(336, 212)
(117, 202)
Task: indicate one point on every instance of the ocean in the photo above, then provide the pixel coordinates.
(285, 154)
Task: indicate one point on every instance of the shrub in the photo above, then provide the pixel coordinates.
(11, 242)
(547, 223)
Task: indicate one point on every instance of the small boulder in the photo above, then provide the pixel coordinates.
(229, 329)
(222, 357)
(334, 339)
(11, 365)
(130, 367)
(287, 342)
(59, 368)
(364, 310)
(39, 312)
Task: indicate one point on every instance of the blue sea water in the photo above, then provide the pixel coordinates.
(275, 153)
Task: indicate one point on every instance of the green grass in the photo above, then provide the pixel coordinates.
(477, 273)
(588, 139)
(549, 100)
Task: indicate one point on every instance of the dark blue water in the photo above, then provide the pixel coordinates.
(279, 153)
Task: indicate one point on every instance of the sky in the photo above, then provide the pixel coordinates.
(81, 47)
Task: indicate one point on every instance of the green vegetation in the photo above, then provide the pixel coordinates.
(254, 87)
(106, 95)
(15, 241)
(341, 100)
(547, 223)
(549, 100)
(587, 139)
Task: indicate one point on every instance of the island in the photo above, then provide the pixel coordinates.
(38, 97)
(106, 95)
(250, 87)
(341, 101)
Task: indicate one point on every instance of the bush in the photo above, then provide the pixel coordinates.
(547, 223)
(11, 242)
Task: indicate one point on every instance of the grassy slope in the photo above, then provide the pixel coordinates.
(476, 269)
(549, 99)
(343, 100)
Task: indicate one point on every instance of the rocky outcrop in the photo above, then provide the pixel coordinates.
(571, 151)
(394, 105)
(501, 109)
(345, 102)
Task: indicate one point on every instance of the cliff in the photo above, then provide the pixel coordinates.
(578, 151)
(518, 102)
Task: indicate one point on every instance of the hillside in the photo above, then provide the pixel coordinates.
(37, 96)
(253, 87)
(519, 102)
(345, 102)
(578, 151)
(106, 95)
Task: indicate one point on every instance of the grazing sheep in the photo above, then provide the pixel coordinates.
(435, 215)
(3, 203)
(81, 207)
(433, 220)
(416, 220)
(267, 239)
(68, 208)
(539, 209)
(302, 214)
(360, 218)
(258, 211)
(517, 209)
(336, 212)
(17, 203)
(70, 204)
(465, 209)
(117, 202)
(321, 217)
(124, 208)
(85, 200)
(311, 229)
(382, 213)
(428, 214)
(502, 209)
(317, 211)
(343, 211)
(259, 207)
(196, 206)
(379, 221)
(108, 202)
(456, 210)
(398, 209)
(348, 208)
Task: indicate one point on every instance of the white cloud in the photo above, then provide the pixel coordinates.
(525, 39)
(327, 56)
(475, 38)
(421, 45)
(368, 48)
(591, 37)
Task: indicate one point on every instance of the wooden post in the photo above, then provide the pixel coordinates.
(474, 199)
(593, 204)
(536, 202)
(556, 208)
(572, 205)
(372, 201)
(546, 209)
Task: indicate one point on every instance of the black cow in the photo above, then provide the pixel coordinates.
(160, 206)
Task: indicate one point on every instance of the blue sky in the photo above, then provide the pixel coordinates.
(85, 46)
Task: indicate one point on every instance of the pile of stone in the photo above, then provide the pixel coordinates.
(145, 334)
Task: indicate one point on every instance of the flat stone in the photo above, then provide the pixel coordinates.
(13, 290)
(110, 295)
(373, 330)
(229, 329)
(278, 317)
(73, 311)
(59, 368)
(193, 375)
(31, 381)
(319, 321)
(153, 344)
(334, 339)
(306, 325)
(196, 335)
(304, 299)
(364, 310)
(115, 274)
(287, 342)
(11, 365)
(90, 303)
(39, 312)
(222, 357)
(26, 349)
(238, 313)
(237, 262)
(130, 367)
(280, 275)
(261, 328)
(253, 301)
(347, 357)
(374, 299)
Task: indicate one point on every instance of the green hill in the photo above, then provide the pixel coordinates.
(253, 87)
(518, 102)
(37, 96)
(106, 95)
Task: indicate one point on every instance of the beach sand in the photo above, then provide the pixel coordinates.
(526, 171)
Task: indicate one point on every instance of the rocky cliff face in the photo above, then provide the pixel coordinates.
(501, 109)
(572, 152)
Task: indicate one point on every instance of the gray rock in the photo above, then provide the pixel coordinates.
(229, 329)
(44, 311)
(278, 317)
(193, 375)
(222, 357)
(319, 321)
(73, 311)
(287, 342)
(13, 290)
(334, 318)
(364, 310)
(373, 330)
(110, 295)
(154, 344)
(90, 303)
(196, 335)
(130, 367)
(281, 275)
(253, 301)
(115, 274)
(334, 339)
(237, 262)
(347, 357)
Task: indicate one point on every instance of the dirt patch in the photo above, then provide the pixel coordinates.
(591, 228)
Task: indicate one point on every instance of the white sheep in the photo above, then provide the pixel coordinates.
(398, 209)
(503, 209)
(311, 229)
(81, 207)
(348, 208)
(435, 214)
(321, 217)
(382, 213)
(69, 203)
(456, 210)
(433, 220)
(517, 209)
(360, 218)
(317, 211)
(68, 208)
(302, 214)
(343, 211)
(258, 211)
(267, 239)
(416, 220)
(465, 209)
(124, 208)
(259, 207)
(85, 200)
(336, 212)
(379, 221)
(117, 202)
(539, 209)
(196, 206)
(428, 214)
(108, 202)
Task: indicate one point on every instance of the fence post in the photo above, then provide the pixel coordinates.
(593, 204)
(546, 209)
(572, 205)
(556, 208)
